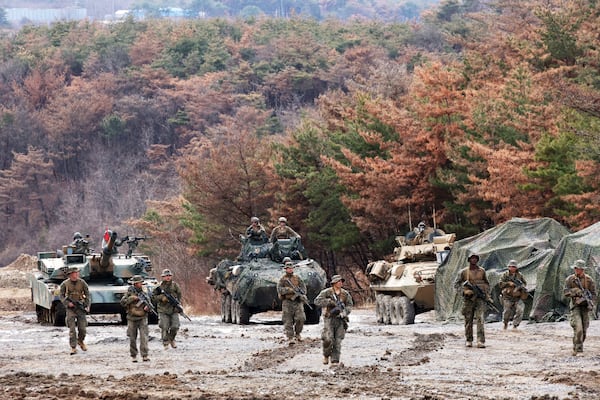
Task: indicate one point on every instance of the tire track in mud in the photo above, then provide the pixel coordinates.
(270, 358)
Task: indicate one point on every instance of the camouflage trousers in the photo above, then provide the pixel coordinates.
(133, 327)
(334, 331)
(513, 308)
(293, 317)
(169, 326)
(474, 309)
(580, 321)
(77, 323)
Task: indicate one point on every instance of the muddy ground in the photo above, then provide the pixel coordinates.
(427, 360)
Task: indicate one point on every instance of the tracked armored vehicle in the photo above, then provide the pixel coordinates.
(405, 286)
(248, 285)
(105, 272)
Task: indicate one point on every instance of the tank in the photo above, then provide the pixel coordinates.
(405, 286)
(248, 285)
(106, 273)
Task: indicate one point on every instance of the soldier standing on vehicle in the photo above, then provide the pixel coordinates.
(514, 291)
(137, 304)
(168, 314)
(337, 303)
(256, 233)
(581, 288)
(75, 296)
(291, 290)
(473, 306)
(283, 231)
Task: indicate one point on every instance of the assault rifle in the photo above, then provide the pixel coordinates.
(78, 304)
(144, 300)
(299, 293)
(133, 243)
(479, 293)
(586, 295)
(340, 311)
(174, 302)
(520, 285)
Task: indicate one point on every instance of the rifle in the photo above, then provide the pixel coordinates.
(143, 299)
(586, 294)
(480, 295)
(299, 292)
(520, 285)
(174, 302)
(78, 304)
(132, 243)
(340, 311)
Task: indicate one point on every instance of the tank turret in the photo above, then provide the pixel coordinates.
(405, 285)
(106, 273)
(248, 285)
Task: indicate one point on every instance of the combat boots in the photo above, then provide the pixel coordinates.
(73, 350)
(481, 345)
(173, 344)
(326, 360)
(82, 345)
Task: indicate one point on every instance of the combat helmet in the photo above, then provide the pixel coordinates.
(282, 219)
(77, 235)
(166, 272)
(135, 279)
(287, 262)
(580, 264)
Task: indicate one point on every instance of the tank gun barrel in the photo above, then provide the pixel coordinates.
(107, 251)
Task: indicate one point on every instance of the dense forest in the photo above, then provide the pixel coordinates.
(354, 130)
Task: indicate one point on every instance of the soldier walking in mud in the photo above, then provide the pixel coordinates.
(581, 289)
(75, 296)
(470, 279)
(337, 303)
(291, 290)
(168, 314)
(137, 303)
(514, 291)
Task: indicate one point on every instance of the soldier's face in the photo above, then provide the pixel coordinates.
(138, 285)
(74, 275)
(579, 271)
(167, 278)
(512, 269)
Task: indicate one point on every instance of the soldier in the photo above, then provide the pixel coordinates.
(292, 293)
(473, 306)
(337, 303)
(581, 289)
(75, 296)
(168, 315)
(79, 244)
(283, 231)
(137, 304)
(256, 233)
(514, 291)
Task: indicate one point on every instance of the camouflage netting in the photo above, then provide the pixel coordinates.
(531, 242)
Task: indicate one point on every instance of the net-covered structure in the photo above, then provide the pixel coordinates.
(534, 243)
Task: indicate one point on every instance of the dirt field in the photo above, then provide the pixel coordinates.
(427, 360)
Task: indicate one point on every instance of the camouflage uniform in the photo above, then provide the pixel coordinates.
(292, 303)
(473, 307)
(282, 232)
(257, 234)
(137, 320)
(511, 298)
(334, 323)
(168, 317)
(76, 291)
(579, 316)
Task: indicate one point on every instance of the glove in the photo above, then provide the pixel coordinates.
(335, 311)
(511, 284)
(577, 292)
(303, 298)
(163, 298)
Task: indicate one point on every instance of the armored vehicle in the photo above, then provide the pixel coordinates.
(405, 286)
(248, 285)
(105, 272)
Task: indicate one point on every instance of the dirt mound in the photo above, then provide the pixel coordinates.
(24, 262)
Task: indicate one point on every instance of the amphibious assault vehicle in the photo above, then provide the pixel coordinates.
(405, 286)
(248, 285)
(105, 272)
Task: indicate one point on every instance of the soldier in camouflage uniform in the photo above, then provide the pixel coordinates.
(256, 233)
(283, 231)
(168, 316)
(291, 290)
(581, 288)
(337, 304)
(137, 317)
(473, 307)
(75, 296)
(514, 292)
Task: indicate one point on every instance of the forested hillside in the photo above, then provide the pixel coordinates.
(183, 130)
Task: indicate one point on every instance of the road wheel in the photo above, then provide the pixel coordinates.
(312, 316)
(395, 312)
(39, 311)
(379, 309)
(235, 312)
(406, 311)
(387, 309)
(58, 314)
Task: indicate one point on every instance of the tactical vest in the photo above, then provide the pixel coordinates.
(476, 277)
(342, 297)
(74, 290)
(284, 283)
